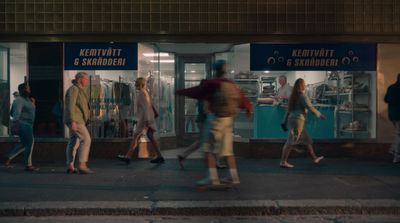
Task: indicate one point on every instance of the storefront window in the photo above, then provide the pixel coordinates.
(112, 70)
(112, 91)
(13, 71)
(341, 85)
(45, 79)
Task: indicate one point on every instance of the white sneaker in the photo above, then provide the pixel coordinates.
(229, 180)
(207, 181)
(396, 159)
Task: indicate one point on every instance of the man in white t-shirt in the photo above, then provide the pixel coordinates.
(285, 90)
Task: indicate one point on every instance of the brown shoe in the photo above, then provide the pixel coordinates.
(7, 163)
(85, 171)
(31, 169)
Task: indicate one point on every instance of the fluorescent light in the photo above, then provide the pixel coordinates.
(266, 71)
(232, 72)
(162, 61)
(155, 54)
(193, 71)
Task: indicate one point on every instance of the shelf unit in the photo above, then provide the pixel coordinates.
(243, 127)
(268, 87)
(353, 110)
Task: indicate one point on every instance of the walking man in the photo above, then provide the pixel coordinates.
(76, 116)
(392, 98)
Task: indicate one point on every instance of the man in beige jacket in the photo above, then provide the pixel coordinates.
(76, 116)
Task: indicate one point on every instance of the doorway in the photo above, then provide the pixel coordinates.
(190, 71)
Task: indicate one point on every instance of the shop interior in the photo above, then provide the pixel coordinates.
(347, 98)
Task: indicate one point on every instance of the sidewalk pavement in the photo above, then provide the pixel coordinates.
(337, 186)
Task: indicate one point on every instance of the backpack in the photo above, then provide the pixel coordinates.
(226, 100)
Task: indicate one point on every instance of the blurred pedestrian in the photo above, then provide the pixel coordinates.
(295, 118)
(23, 117)
(146, 124)
(225, 99)
(392, 98)
(76, 117)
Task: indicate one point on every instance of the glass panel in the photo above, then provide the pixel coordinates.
(45, 80)
(4, 92)
(194, 73)
(167, 94)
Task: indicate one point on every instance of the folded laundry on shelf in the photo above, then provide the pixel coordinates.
(266, 100)
(354, 126)
(350, 106)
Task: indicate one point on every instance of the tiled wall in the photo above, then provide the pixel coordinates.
(200, 16)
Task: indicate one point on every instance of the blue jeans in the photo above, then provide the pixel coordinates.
(25, 145)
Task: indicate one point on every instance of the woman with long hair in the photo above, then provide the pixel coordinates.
(295, 117)
(23, 117)
(146, 124)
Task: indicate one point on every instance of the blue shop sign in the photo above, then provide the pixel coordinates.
(100, 56)
(346, 57)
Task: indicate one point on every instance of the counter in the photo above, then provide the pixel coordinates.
(267, 120)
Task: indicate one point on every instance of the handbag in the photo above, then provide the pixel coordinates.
(155, 111)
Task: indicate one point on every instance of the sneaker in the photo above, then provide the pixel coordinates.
(229, 180)
(180, 161)
(123, 158)
(396, 159)
(207, 181)
(221, 166)
(318, 159)
(159, 159)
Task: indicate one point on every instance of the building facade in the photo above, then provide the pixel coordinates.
(174, 42)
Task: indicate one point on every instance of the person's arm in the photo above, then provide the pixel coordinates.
(17, 110)
(285, 121)
(307, 104)
(388, 95)
(70, 103)
(245, 103)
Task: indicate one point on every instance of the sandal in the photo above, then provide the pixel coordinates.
(318, 159)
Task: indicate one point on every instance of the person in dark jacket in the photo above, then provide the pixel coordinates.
(392, 98)
(23, 117)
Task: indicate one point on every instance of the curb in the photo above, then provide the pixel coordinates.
(201, 208)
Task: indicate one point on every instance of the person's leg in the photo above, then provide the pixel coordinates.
(84, 148)
(231, 161)
(70, 152)
(133, 145)
(396, 144)
(316, 159)
(190, 149)
(213, 177)
(26, 136)
(154, 142)
(227, 149)
(28, 142)
(285, 155)
(18, 149)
